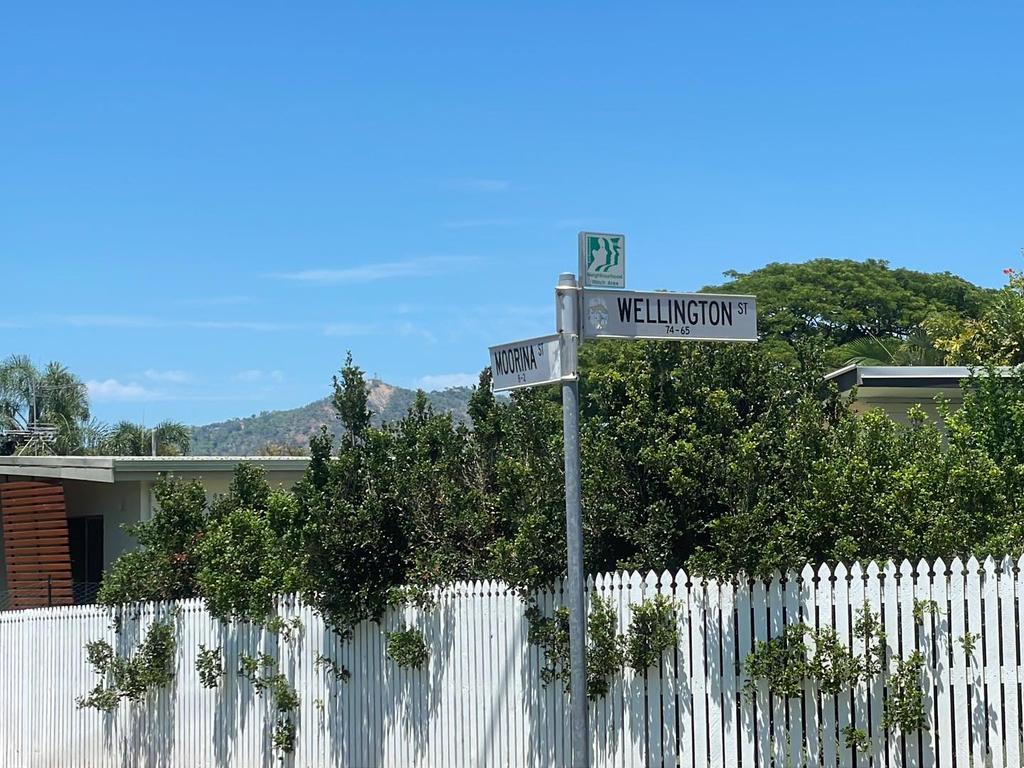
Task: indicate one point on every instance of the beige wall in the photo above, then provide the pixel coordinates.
(897, 409)
(118, 504)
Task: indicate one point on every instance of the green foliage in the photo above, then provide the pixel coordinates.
(840, 301)
(921, 607)
(283, 737)
(261, 671)
(241, 560)
(605, 653)
(247, 552)
(917, 348)
(30, 397)
(129, 439)
(407, 648)
(969, 641)
(289, 630)
(904, 706)
(165, 564)
(996, 337)
(130, 677)
(550, 633)
(780, 661)
(868, 629)
(338, 671)
(418, 595)
(856, 738)
(787, 661)
(349, 401)
(652, 631)
(209, 666)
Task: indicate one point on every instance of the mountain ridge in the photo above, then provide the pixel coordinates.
(289, 430)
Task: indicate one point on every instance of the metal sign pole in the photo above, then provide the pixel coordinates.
(569, 334)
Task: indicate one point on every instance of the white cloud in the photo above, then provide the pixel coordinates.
(143, 321)
(478, 185)
(256, 375)
(347, 329)
(410, 329)
(172, 376)
(241, 325)
(216, 301)
(369, 273)
(111, 321)
(446, 380)
(114, 390)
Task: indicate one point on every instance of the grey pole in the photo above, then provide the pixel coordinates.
(568, 329)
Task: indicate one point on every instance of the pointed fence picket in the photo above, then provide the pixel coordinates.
(480, 699)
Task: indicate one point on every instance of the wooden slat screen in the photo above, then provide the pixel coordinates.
(36, 551)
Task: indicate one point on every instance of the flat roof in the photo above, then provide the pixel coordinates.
(905, 382)
(108, 469)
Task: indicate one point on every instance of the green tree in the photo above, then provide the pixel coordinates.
(840, 300)
(32, 400)
(996, 337)
(127, 438)
(350, 401)
(164, 565)
(916, 349)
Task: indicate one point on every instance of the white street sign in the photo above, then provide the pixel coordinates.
(662, 315)
(526, 363)
(602, 260)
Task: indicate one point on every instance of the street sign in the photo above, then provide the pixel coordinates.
(587, 309)
(526, 363)
(602, 260)
(663, 315)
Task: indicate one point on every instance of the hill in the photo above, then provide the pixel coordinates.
(290, 430)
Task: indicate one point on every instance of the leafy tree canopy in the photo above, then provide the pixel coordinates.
(841, 301)
(996, 336)
(720, 458)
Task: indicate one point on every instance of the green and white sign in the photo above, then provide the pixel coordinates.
(602, 260)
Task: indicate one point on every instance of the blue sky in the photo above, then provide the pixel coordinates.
(202, 206)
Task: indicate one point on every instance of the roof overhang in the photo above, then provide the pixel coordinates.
(905, 383)
(109, 469)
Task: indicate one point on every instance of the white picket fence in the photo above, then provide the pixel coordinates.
(480, 702)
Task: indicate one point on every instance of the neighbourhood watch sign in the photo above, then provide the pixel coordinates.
(602, 260)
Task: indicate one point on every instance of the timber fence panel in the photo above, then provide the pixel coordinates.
(713, 646)
(653, 719)
(812, 700)
(960, 660)
(777, 716)
(730, 674)
(927, 632)
(993, 683)
(1009, 631)
(670, 683)
(687, 724)
(873, 600)
(829, 705)
(943, 687)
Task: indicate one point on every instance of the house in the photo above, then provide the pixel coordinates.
(896, 388)
(64, 516)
